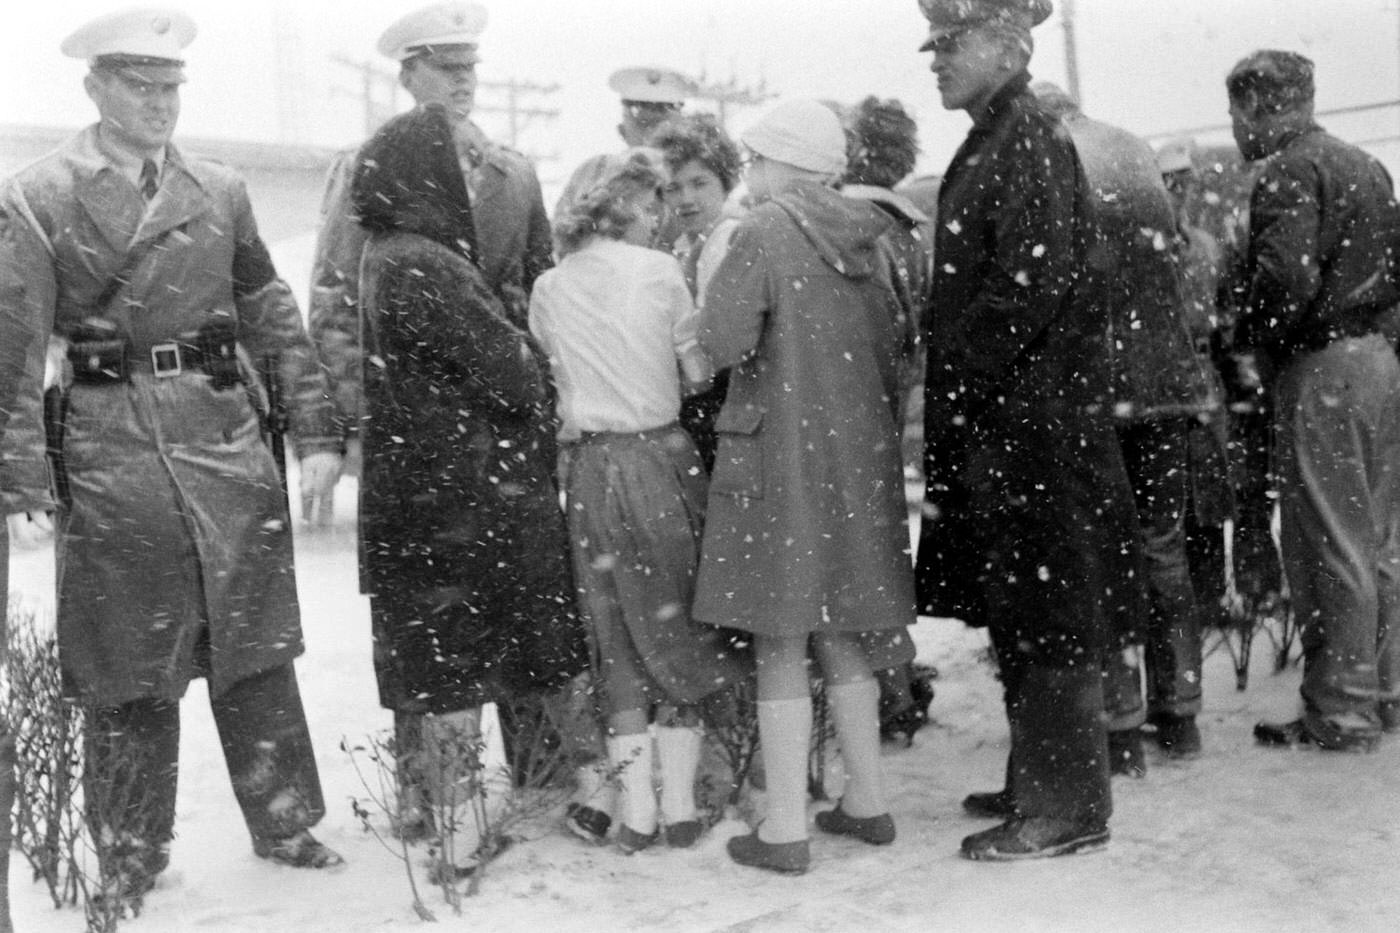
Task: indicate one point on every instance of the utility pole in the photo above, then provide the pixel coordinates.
(291, 77)
(376, 83)
(730, 93)
(379, 94)
(1071, 52)
(517, 116)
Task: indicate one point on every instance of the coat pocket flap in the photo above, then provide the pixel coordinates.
(739, 419)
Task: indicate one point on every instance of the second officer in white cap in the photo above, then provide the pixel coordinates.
(650, 96)
(175, 537)
(437, 48)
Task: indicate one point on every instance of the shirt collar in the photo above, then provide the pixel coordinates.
(125, 163)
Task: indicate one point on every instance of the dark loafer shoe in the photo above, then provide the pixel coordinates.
(587, 823)
(684, 834)
(1034, 837)
(1297, 732)
(876, 830)
(629, 840)
(787, 858)
(993, 805)
(300, 850)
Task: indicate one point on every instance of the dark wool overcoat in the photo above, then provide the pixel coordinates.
(807, 525)
(1029, 524)
(464, 548)
(175, 550)
(1133, 272)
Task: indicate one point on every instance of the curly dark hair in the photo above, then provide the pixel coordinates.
(1281, 81)
(697, 137)
(884, 143)
(609, 207)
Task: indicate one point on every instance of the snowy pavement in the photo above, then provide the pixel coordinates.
(1242, 839)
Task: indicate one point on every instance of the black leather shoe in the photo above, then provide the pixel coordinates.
(787, 858)
(587, 823)
(993, 805)
(1125, 755)
(684, 834)
(1034, 837)
(1297, 732)
(876, 830)
(299, 850)
(629, 840)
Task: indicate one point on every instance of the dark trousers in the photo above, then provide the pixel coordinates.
(1156, 455)
(1338, 422)
(1058, 765)
(133, 763)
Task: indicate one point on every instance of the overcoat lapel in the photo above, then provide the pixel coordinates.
(181, 198)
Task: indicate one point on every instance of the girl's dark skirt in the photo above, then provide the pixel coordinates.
(636, 508)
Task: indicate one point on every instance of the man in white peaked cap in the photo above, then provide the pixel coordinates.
(174, 539)
(650, 97)
(437, 48)
(437, 51)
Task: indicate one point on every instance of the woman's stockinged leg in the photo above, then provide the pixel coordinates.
(854, 697)
(785, 730)
(630, 751)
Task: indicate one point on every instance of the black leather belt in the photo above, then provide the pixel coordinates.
(213, 351)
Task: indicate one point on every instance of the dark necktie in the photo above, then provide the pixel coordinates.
(149, 182)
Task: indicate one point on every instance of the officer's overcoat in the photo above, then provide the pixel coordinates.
(1029, 524)
(177, 515)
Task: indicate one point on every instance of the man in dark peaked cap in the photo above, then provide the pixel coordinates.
(1029, 526)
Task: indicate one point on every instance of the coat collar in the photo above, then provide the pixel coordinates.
(1002, 100)
(115, 207)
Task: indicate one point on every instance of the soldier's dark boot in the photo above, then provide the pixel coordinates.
(1125, 755)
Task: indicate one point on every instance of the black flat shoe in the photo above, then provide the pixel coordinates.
(587, 823)
(684, 834)
(1297, 732)
(786, 858)
(876, 830)
(629, 840)
(300, 850)
(1034, 837)
(992, 805)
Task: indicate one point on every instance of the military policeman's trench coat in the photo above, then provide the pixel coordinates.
(178, 516)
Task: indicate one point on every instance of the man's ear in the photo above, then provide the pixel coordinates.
(1249, 103)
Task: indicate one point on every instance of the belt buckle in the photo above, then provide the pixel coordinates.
(165, 360)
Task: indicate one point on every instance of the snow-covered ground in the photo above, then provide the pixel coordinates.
(1241, 839)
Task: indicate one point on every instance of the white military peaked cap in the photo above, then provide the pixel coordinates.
(1176, 155)
(145, 32)
(439, 24)
(652, 85)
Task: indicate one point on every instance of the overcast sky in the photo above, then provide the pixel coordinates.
(1151, 66)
